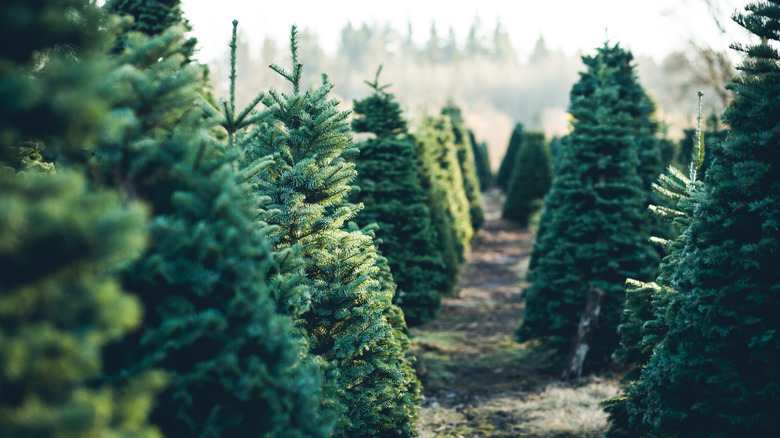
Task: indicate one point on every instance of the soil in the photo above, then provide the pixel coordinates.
(477, 380)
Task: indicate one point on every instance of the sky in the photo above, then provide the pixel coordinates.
(646, 27)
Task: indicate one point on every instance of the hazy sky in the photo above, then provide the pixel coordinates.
(647, 27)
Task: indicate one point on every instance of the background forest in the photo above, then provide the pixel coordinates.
(483, 73)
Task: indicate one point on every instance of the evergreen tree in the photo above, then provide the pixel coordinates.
(61, 304)
(60, 242)
(235, 369)
(711, 138)
(643, 323)
(438, 153)
(510, 157)
(715, 372)
(531, 178)
(481, 162)
(391, 191)
(590, 238)
(307, 182)
(468, 168)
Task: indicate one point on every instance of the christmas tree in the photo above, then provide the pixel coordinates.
(307, 182)
(715, 372)
(531, 179)
(390, 188)
(481, 162)
(590, 240)
(234, 367)
(468, 168)
(510, 157)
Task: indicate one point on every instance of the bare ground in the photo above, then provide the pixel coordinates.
(477, 380)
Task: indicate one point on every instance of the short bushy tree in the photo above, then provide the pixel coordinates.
(716, 371)
(307, 182)
(531, 179)
(590, 238)
(390, 188)
(510, 157)
(482, 163)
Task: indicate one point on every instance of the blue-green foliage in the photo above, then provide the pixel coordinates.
(715, 370)
(506, 168)
(531, 179)
(306, 139)
(590, 235)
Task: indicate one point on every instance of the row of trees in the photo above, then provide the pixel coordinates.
(178, 266)
(698, 327)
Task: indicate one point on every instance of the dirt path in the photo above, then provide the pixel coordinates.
(477, 380)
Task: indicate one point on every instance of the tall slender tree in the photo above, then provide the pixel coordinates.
(235, 368)
(307, 182)
(389, 186)
(510, 157)
(590, 239)
(716, 371)
(468, 167)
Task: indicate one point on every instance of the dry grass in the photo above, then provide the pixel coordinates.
(478, 381)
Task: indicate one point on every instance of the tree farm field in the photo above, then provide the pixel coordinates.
(477, 380)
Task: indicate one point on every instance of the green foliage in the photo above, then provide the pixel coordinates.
(307, 181)
(152, 17)
(210, 323)
(50, 86)
(716, 370)
(438, 153)
(468, 168)
(482, 163)
(510, 157)
(60, 304)
(589, 233)
(711, 138)
(531, 178)
(390, 188)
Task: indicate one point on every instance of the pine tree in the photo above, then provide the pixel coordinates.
(589, 239)
(390, 189)
(438, 153)
(468, 168)
(531, 178)
(715, 372)
(481, 162)
(307, 183)
(235, 369)
(510, 157)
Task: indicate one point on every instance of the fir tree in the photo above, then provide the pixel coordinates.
(468, 168)
(510, 157)
(235, 369)
(531, 179)
(307, 183)
(438, 153)
(591, 238)
(390, 189)
(481, 162)
(715, 372)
